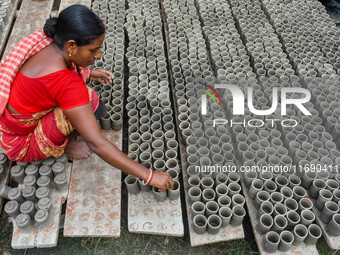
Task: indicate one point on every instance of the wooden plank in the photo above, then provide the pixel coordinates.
(94, 201)
(39, 237)
(301, 249)
(67, 3)
(333, 241)
(6, 30)
(31, 18)
(147, 216)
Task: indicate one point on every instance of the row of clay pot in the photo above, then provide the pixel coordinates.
(261, 42)
(327, 195)
(37, 207)
(152, 137)
(317, 57)
(283, 241)
(214, 222)
(197, 142)
(32, 202)
(215, 202)
(228, 54)
(26, 216)
(296, 38)
(135, 185)
(113, 61)
(203, 143)
(285, 214)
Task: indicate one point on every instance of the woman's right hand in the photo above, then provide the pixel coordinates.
(162, 180)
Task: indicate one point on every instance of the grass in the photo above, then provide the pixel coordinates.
(141, 244)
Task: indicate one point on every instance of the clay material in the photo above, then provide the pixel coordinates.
(238, 215)
(159, 195)
(24, 222)
(286, 240)
(328, 211)
(4, 191)
(42, 192)
(261, 197)
(280, 223)
(195, 194)
(333, 226)
(208, 195)
(32, 170)
(256, 186)
(45, 204)
(324, 196)
(314, 233)
(29, 193)
(300, 232)
(60, 182)
(143, 187)
(44, 181)
(198, 208)
(264, 224)
(200, 223)
(43, 219)
(132, 184)
(58, 168)
(214, 224)
(271, 241)
(30, 180)
(46, 170)
(211, 208)
(12, 208)
(224, 201)
(18, 173)
(28, 208)
(15, 194)
(174, 193)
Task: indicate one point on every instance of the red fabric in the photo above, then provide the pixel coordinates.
(25, 49)
(63, 88)
(33, 137)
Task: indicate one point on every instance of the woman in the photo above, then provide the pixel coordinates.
(43, 96)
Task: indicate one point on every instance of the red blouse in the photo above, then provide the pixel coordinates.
(63, 88)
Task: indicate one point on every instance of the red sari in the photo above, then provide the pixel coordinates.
(33, 137)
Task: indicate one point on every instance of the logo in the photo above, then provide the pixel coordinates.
(239, 99)
(204, 98)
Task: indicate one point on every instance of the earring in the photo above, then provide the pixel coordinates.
(70, 53)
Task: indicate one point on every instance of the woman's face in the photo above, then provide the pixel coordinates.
(86, 55)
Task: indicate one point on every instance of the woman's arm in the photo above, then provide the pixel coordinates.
(83, 120)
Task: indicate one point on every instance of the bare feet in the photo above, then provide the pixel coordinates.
(77, 150)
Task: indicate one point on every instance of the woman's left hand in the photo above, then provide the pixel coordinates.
(102, 76)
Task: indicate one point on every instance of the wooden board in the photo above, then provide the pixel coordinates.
(7, 28)
(301, 249)
(333, 241)
(147, 216)
(31, 18)
(94, 201)
(67, 3)
(42, 238)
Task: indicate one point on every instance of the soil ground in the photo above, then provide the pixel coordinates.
(133, 244)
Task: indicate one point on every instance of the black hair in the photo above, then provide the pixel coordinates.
(76, 22)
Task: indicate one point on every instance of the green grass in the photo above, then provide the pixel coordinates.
(141, 244)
